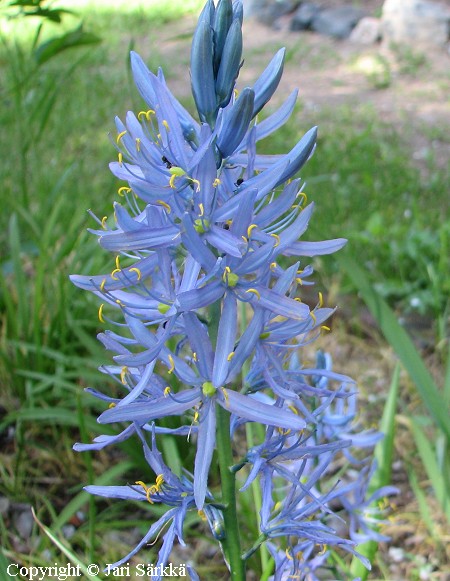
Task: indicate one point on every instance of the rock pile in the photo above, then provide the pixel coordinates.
(422, 23)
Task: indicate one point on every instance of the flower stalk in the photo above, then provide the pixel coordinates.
(232, 541)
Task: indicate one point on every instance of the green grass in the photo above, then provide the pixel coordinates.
(362, 178)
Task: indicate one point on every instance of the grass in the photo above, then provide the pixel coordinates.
(362, 178)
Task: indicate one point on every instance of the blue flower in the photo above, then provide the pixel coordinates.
(205, 227)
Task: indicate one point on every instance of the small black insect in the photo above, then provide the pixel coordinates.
(167, 162)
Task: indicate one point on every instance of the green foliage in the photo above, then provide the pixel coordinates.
(431, 435)
(384, 455)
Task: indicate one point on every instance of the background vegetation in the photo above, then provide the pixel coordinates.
(63, 76)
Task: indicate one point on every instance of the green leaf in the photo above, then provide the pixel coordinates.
(400, 341)
(82, 498)
(64, 549)
(58, 44)
(435, 473)
(3, 565)
(384, 453)
(59, 416)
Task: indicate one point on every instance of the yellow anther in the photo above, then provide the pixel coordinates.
(250, 228)
(112, 405)
(102, 285)
(120, 156)
(277, 238)
(118, 262)
(293, 409)
(298, 299)
(114, 272)
(138, 144)
(196, 182)
(121, 134)
(304, 197)
(325, 328)
(313, 317)
(140, 483)
(159, 481)
(320, 300)
(236, 93)
(273, 265)
(201, 514)
(172, 181)
(167, 390)
(137, 271)
(323, 550)
(123, 373)
(299, 281)
(288, 554)
(254, 291)
(216, 183)
(196, 415)
(231, 355)
(120, 303)
(145, 114)
(104, 222)
(244, 239)
(166, 125)
(172, 364)
(194, 356)
(123, 190)
(164, 205)
(148, 492)
(202, 210)
(225, 395)
(100, 313)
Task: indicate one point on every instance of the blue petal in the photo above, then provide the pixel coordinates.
(234, 122)
(230, 63)
(267, 83)
(314, 248)
(226, 337)
(143, 239)
(206, 440)
(200, 343)
(255, 411)
(202, 73)
(142, 412)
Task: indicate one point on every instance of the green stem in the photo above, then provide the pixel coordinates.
(252, 430)
(228, 479)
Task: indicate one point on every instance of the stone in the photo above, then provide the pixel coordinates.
(304, 16)
(4, 506)
(367, 31)
(23, 522)
(419, 23)
(269, 11)
(337, 22)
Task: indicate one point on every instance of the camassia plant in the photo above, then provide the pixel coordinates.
(204, 299)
